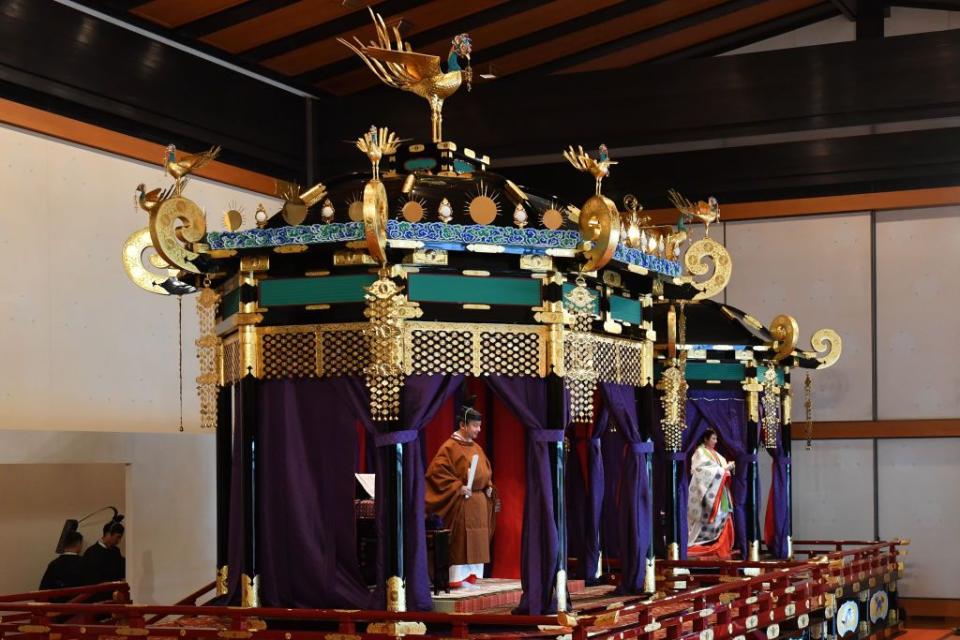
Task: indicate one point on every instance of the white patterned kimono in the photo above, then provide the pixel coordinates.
(708, 503)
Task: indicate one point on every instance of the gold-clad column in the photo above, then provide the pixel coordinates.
(752, 389)
(251, 270)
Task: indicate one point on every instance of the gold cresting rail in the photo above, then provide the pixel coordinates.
(781, 595)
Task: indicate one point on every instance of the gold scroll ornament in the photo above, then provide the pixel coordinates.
(785, 332)
(171, 239)
(132, 256)
(694, 259)
(820, 341)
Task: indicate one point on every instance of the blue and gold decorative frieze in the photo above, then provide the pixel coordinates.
(435, 235)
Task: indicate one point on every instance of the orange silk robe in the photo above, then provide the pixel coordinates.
(470, 520)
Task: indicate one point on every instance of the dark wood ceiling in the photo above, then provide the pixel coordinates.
(297, 39)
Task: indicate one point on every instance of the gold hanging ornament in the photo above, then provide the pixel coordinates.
(209, 354)
(771, 407)
(580, 353)
(673, 384)
(808, 408)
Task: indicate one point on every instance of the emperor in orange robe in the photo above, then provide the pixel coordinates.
(469, 512)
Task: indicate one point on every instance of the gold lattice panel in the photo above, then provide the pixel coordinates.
(231, 360)
(344, 351)
(621, 361)
(289, 353)
(439, 351)
(512, 353)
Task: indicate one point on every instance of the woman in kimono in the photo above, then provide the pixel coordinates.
(709, 504)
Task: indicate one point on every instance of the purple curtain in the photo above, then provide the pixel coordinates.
(634, 497)
(777, 544)
(584, 494)
(611, 445)
(724, 411)
(539, 546)
(423, 396)
(306, 548)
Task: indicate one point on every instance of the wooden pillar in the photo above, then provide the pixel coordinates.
(646, 407)
(752, 389)
(224, 449)
(786, 437)
(249, 386)
(393, 542)
(553, 316)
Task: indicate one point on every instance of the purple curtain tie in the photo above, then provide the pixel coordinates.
(677, 455)
(547, 435)
(395, 437)
(642, 447)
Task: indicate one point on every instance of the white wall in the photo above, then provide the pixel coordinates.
(90, 350)
(89, 359)
(818, 268)
(35, 501)
(170, 505)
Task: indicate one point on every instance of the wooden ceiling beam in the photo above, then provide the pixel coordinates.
(490, 35)
(228, 17)
(695, 35)
(426, 16)
(173, 13)
(281, 23)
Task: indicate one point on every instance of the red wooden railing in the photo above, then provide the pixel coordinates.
(724, 604)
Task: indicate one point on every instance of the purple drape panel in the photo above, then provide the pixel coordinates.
(423, 396)
(584, 495)
(235, 535)
(307, 540)
(724, 411)
(527, 399)
(781, 507)
(634, 498)
(611, 453)
(592, 544)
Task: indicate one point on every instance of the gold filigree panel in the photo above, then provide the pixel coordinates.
(442, 351)
(231, 359)
(621, 361)
(512, 353)
(289, 354)
(344, 349)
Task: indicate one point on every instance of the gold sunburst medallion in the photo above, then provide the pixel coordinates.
(484, 207)
(552, 218)
(412, 209)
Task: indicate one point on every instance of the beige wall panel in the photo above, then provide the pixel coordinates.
(918, 333)
(34, 502)
(83, 348)
(170, 497)
(816, 269)
(833, 490)
(918, 481)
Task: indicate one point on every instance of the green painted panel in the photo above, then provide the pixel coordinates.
(471, 289)
(462, 166)
(230, 303)
(323, 290)
(725, 371)
(419, 163)
(567, 288)
(762, 371)
(626, 309)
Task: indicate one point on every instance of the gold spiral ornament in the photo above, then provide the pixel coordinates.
(599, 224)
(828, 345)
(375, 212)
(786, 332)
(132, 256)
(169, 239)
(694, 261)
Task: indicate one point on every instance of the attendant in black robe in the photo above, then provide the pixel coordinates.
(103, 561)
(67, 569)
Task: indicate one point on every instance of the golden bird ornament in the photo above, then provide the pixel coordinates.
(150, 200)
(707, 212)
(377, 143)
(598, 167)
(395, 63)
(187, 164)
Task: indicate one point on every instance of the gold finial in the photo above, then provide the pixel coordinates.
(582, 161)
(377, 143)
